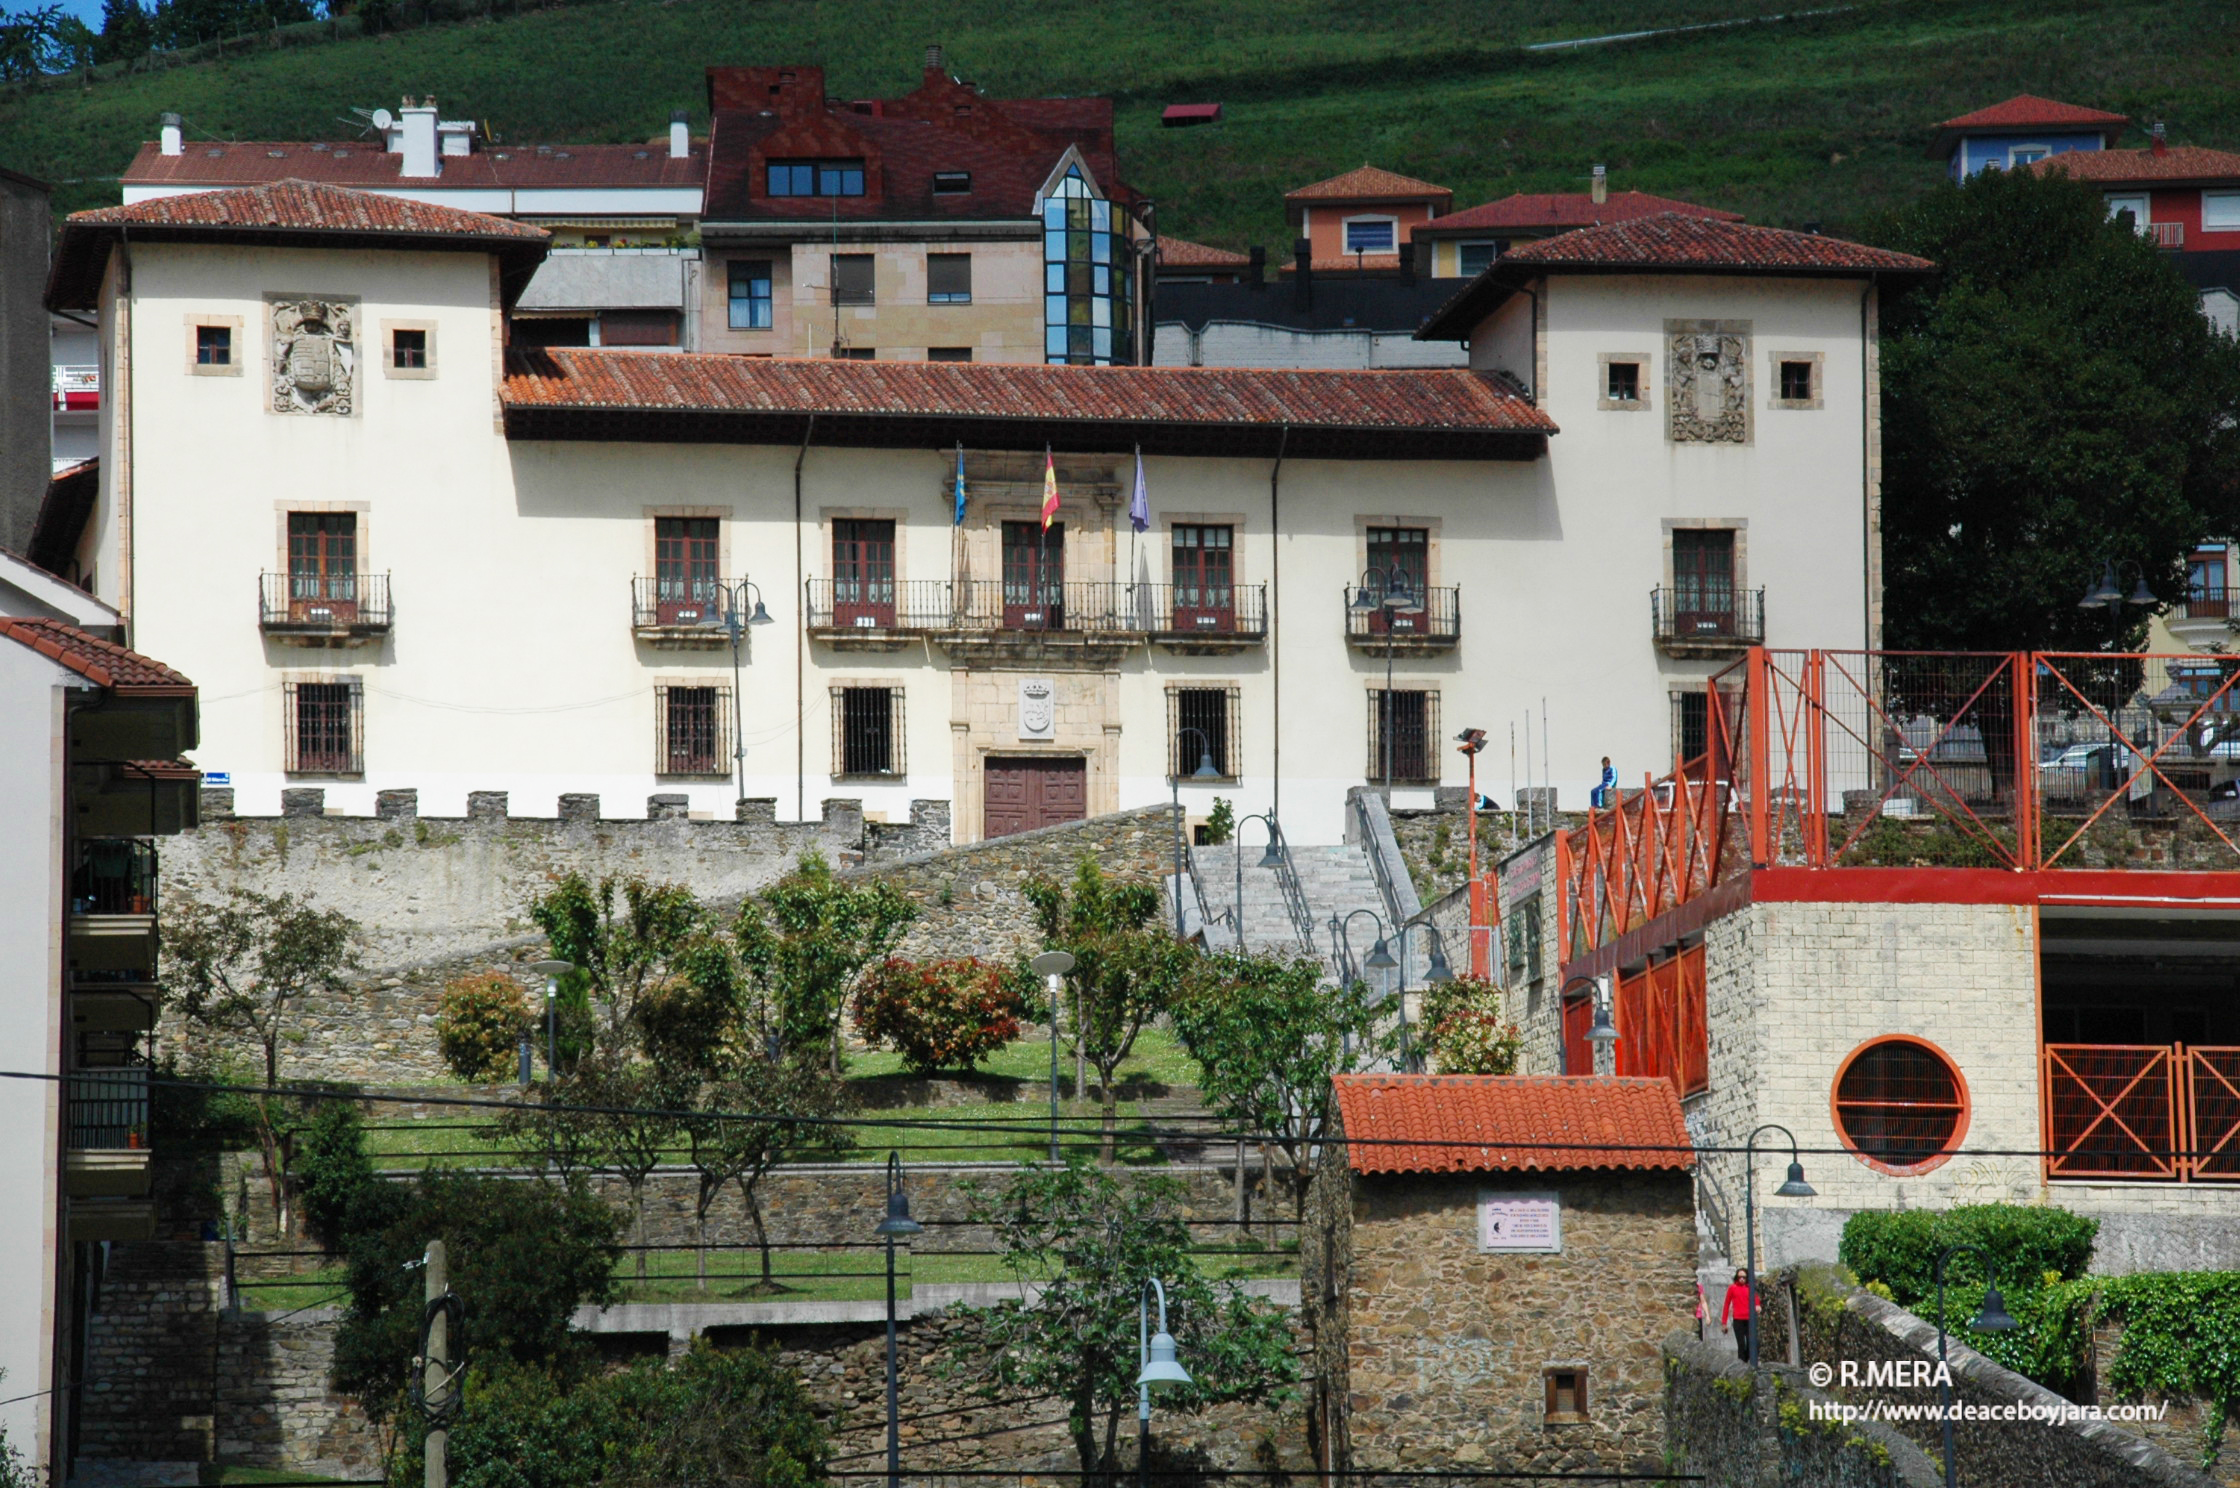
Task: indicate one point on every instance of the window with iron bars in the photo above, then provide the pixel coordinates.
(324, 726)
(1691, 724)
(867, 731)
(1408, 720)
(1212, 711)
(692, 730)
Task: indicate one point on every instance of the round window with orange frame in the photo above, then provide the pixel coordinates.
(1900, 1104)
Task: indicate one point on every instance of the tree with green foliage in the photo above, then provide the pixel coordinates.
(758, 1114)
(717, 1418)
(125, 31)
(480, 1021)
(659, 972)
(246, 965)
(1466, 1030)
(1127, 970)
(1268, 1037)
(523, 1257)
(805, 939)
(938, 1014)
(332, 1170)
(2052, 401)
(2181, 1336)
(1090, 1239)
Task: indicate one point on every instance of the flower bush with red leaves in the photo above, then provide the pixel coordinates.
(938, 1015)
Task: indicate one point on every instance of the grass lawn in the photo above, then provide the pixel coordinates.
(1157, 1059)
(735, 1272)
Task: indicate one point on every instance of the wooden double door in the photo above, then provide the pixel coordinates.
(1022, 792)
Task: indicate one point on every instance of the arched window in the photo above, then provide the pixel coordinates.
(1900, 1104)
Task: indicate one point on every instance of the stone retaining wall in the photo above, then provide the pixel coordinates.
(1717, 1424)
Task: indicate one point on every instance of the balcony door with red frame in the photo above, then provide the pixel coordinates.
(2206, 597)
(863, 573)
(686, 582)
(1703, 582)
(1409, 550)
(1034, 576)
(1205, 593)
(322, 566)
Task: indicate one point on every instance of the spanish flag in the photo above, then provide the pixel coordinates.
(1049, 488)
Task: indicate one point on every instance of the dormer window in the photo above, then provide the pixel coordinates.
(951, 183)
(816, 178)
(1372, 235)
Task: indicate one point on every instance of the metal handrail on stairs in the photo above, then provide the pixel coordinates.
(1294, 894)
(1207, 919)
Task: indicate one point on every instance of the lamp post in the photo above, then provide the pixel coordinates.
(734, 624)
(1271, 858)
(551, 971)
(1206, 770)
(1052, 967)
(1468, 743)
(1992, 1317)
(2106, 596)
(897, 1225)
(1156, 1365)
(1792, 1187)
(1604, 1029)
(1388, 590)
(1379, 959)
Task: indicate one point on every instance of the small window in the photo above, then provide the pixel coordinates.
(852, 281)
(951, 183)
(858, 353)
(2220, 211)
(750, 294)
(1202, 728)
(948, 278)
(213, 346)
(1624, 385)
(1474, 259)
(1403, 730)
(1797, 382)
(1566, 1395)
(948, 353)
(1373, 235)
(867, 731)
(1900, 1105)
(408, 350)
(325, 727)
(2028, 154)
(815, 178)
(1691, 724)
(690, 730)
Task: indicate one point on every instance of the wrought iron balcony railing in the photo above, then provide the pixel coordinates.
(1437, 617)
(114, 876)
(328, 604)
(1707, 617)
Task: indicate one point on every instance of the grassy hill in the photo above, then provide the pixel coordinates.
(1816, 119)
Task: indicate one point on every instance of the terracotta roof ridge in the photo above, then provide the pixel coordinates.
(103, 663)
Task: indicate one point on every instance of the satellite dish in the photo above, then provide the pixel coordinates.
(382, 118)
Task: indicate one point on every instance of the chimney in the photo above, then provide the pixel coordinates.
(680, 135)
(934, 60)
(1256, 274)
(419, 127)
(1302, 274)
(174, 138)
(2161, 142)
(1601, 185)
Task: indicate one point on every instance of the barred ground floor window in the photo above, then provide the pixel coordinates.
(1202, 726)
(323, 726)
(1403, 736)
(692, 729)
(867, 735)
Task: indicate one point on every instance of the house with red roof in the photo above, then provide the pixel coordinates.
(2184, 197)
(91, 739)
(1360, 220)
(1461, 244)
(2022, 131)
(1490, 1266)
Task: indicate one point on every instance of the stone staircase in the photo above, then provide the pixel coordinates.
(1333, 880)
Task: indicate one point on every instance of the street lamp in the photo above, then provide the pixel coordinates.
(898, 1225)
(1387, 590)
(551, 971)
(1207, 770)
(1156, 1365)
(1381, 958)
(1792, 1187)
(1271, 857)
(1992, 1317)
(1604, 1029)
(1052, 967)
(1468, 743)
(2106, 596)
(728, 618)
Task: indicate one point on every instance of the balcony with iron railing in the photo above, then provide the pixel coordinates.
(878, 614)
(884, 614)
(324, 609)
(680, 614)
(108, 1155)
(1431, 623)
(113, 905)
(1202, 617)
(1707, 622)
(2203, 619)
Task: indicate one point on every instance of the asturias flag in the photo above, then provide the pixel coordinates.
(960, 484)
(1049, 488)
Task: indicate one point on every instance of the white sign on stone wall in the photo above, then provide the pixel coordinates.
(1519, 1221)
(1038, 708)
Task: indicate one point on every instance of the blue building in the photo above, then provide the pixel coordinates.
(2022, 131)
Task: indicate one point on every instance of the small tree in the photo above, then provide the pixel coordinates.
(479, 1023)
(629, 1114)
(1126, 970)
(762, 1113)
(644, 946)
(245, 966)
(804, 939)
(938, 1014)
(1465, 1030)
(1090, 1240)
(1268, 1036)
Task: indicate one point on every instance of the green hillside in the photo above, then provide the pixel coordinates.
(1818, 119)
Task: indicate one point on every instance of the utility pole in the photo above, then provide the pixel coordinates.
(436, 1382)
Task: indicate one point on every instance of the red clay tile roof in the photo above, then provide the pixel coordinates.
(1345, 263)
(1563, 210)
(1405, 413)
(1177, 253)
(103, 663)
(1369, 183)
(2121, 167)
(287, 213)
(1671, 240)
(2028, 111)
(356, 163)
(1191, 113)
(1510, 1123)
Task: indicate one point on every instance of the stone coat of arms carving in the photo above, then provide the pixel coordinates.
(1038, 708)
(314, 356)
(1708, 373)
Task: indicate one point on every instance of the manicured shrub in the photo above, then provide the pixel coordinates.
(1464, 1032)
(479, 1024)
(1900, 1248)
(937, 1014)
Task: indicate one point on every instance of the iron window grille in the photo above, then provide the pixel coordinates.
(867, 731)
(1212, 711)
(324, 726)
(1691, 725)
(1407, 719)
(692, 730)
